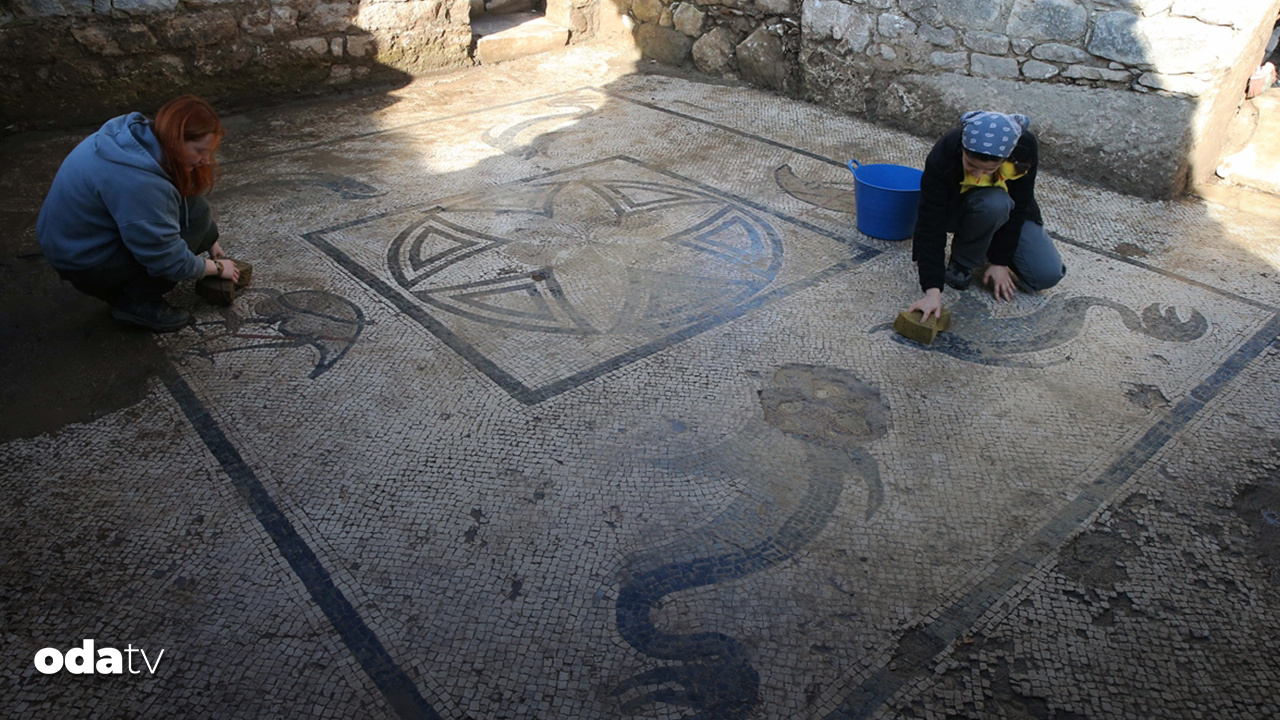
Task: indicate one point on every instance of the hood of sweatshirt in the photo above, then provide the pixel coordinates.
(129, 140)
(111, 190)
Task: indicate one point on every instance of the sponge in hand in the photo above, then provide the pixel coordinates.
(246, 273)
(909, 326)
(221, 291)
(217, 290)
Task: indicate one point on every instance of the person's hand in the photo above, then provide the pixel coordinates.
(228, 270)
(1001, 282)
(216, 252)
(930, 304)
(222, 268)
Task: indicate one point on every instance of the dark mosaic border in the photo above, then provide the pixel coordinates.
(1161, 271)
(534, 395)
(913, 657)
(397, 688)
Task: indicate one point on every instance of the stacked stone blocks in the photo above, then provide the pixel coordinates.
(67, 60)
(1170, 72)
(909, 63)
(758, 40)
(1179, 47)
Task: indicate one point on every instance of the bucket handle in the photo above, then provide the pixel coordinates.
(851, 164)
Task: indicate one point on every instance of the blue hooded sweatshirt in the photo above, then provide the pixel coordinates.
(112, 190)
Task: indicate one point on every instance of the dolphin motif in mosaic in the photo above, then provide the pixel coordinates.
(327, 323)
(825, 195)
(977, 336)
(830, 416)
(348, 188)
(506, 138)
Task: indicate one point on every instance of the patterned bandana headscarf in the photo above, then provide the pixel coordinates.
(992, 133)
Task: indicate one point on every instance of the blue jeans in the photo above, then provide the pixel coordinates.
(1036, 261)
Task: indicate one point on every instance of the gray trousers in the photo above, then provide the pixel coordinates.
(122, 277)
(1036, 261)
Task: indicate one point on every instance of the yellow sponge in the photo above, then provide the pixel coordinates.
(246, 273)
(219, 291)
(909, 326)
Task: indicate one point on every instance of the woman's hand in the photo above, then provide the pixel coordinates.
(930, 304)
(222, 268)
(216, 252)
(1000, 280)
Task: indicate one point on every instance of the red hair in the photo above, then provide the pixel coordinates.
(184, 119)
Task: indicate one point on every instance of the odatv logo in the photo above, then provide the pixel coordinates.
(81, 661)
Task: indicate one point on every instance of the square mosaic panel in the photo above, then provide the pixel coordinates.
(549, 282)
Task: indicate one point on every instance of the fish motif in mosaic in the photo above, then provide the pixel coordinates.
(507, 138)
(977, 336)
(323, 321)
(837, 197)
(347, 188)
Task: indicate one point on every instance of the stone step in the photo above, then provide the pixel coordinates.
(1257, 164)
(509, 36)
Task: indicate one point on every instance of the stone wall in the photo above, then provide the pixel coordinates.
(1177, 46)
(1130, 94)
(69, 61)
(586, 18)
(758, 40)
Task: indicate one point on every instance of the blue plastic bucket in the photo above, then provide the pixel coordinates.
(886, 197)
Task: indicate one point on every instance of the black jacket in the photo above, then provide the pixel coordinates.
(940, 206)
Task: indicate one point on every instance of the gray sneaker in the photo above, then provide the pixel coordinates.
(155, 315)
(958, 277)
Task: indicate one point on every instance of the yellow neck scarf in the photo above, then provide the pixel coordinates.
(996, 179)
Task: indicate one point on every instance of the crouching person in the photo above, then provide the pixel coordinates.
(979, 184)
(124, 220)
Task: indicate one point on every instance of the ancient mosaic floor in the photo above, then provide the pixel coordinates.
(563, 393)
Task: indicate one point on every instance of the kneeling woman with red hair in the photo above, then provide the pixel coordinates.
(124, 220)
